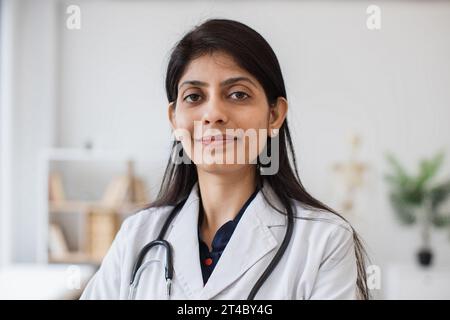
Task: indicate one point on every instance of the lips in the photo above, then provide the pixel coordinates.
(217, 139)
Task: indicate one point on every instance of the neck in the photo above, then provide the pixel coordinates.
(223, 195)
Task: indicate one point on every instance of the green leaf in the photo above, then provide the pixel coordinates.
(440, 220)
(403, 209)
(408, 192)
(439, 194)
(399, 176)
(428, 169)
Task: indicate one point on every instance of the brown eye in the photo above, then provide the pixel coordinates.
(193, 97)
(240, 95)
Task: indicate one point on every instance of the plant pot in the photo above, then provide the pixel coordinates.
(425, 254)
(425, 257)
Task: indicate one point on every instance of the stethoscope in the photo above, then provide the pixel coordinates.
(140, 266)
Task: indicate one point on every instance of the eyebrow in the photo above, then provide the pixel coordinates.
(222, 84)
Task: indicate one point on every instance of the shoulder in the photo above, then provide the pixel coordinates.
(305, 216)
(324, 235)
(320, 218)
(322, 230)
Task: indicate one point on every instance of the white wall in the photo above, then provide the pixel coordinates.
(390, 86)
(32, 116)
(8, 24)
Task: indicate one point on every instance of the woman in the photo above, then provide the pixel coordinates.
(244, 228)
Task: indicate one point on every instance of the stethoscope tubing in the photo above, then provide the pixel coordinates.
(139, 266)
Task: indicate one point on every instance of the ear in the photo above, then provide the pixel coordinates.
(172, 118)
(277, 115)
(171, 114)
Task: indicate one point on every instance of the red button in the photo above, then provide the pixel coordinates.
(208, 261)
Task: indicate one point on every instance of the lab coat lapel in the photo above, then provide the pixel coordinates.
(184, 240)
(250, 242)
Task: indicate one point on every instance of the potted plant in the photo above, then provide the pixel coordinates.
(418, 199)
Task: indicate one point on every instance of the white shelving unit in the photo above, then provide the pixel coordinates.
(45, 210)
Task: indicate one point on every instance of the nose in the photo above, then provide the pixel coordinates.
(215, 112)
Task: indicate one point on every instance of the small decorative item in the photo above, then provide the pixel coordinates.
(55, 188)
(420, 199)
(58, 246)
(351, 176)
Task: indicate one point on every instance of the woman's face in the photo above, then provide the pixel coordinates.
(222, 116)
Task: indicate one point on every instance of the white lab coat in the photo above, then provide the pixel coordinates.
(319, 262)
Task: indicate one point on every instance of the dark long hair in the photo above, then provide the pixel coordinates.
(252, 53)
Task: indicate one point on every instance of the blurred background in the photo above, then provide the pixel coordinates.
(85, 136)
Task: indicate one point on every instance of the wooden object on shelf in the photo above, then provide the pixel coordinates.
(104, 218)
(102, 226)
(55, 188)
(125, 189)
(116, 192)
(57, 243)
(70, 206)
(137, 191)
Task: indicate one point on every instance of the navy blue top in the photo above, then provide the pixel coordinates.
(208, 260)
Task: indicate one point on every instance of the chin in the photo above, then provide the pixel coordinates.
(217, 168)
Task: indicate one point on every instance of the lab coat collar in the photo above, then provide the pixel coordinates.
(251, 241)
